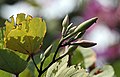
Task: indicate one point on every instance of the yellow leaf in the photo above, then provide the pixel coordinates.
(27, 36)
(20, 17)
(9, 25)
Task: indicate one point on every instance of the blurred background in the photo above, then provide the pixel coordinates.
(106, 32)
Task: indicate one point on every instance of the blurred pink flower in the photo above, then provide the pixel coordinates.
(111, 53)
(107, 15)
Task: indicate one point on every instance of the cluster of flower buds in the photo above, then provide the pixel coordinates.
(72, 33)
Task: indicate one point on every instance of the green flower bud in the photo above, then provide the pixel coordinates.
(72, 29)
(82, 27)
(48, 51)
(63, 31)
(85, 25)
(68, 28)
(65, 22)
(79, 35)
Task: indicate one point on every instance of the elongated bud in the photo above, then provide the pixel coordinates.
(72, 29)
(41, 56)
(48, 51)
(68, 28)
(84, 43)
(79, 35)
(85, 25)
(63, 31)
(82, 27)
(65, 22)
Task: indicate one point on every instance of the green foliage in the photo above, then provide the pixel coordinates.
(67, 57)
(26, 73)
(89, 56)
(116, 66)
(11, 62)
(5, 74)
(105, 71)
(60, 69)
(77, 57)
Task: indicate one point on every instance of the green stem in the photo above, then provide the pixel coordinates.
(42, 62)
(61, 41)
(53, 60)
(34, 63)
(40, 73)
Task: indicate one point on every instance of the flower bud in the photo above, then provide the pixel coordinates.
(84, 43)
(48, 51)
(85, 25)
(68, 28)
(82, 27)
(79, 35)
(65, 22)
(72, 29)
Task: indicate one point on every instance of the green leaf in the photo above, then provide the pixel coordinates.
(27, 36)
(89, 56)
(21, 55)
(52, 70)
(84, 56)
(48, 60)
(2, 29)
(62, 66)
(5, 74)
(31, 69)
(77, 57)
(116, 66)
(105, 71)
(25, 73)
(11, 62)
(60, 69)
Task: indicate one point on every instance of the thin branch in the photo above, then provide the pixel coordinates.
(60, 43)
(34, 63)
(52, 63)
(65, 44)
(54, 60)
(42, 64)
(17, 75)
(28, 59)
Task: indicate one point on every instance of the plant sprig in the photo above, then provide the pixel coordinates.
(67, 35)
